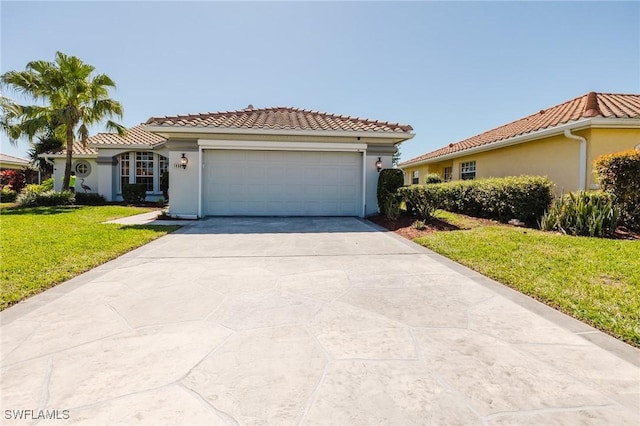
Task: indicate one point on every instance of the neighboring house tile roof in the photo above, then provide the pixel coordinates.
(6, 159)
(591, 105)
(279, 118)
(135, 136)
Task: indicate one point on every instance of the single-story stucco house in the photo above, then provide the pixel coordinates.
(560, 142)
(277, 161)
(9, 162)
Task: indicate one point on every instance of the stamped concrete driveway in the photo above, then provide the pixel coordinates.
(303, 321)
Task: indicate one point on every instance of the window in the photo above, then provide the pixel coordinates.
(447, 174)
(468, 170)
(124, 169)
(415, 178)
(142, 167)
(82, 168)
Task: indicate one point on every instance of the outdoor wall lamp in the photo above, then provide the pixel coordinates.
(379, 164)
(183, 161)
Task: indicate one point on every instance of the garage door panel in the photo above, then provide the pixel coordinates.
(237, 182)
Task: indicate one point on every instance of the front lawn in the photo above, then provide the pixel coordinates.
(44, 246)
(592, 279)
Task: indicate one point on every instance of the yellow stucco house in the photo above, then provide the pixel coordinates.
(560, 142)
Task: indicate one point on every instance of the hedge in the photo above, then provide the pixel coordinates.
(34, 197)
(134, 193)
(524, 197)
(619, 174)
(389, 181)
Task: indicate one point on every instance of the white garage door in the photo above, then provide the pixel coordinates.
(282, 183)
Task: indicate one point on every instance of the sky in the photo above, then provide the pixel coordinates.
(449, 69)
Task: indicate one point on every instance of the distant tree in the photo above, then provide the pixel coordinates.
(73, 98)
(42, 145)
(395, 160)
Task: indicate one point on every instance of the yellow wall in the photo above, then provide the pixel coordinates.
(607, 141)
(424, 170)
(556, 157)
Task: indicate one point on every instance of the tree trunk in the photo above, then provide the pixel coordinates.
(67, 167)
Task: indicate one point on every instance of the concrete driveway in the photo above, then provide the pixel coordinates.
(303, 321)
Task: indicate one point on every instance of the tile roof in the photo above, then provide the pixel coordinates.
(279, 118)
(6, 158)
(591, 105)
(78, 149)
(135, 136)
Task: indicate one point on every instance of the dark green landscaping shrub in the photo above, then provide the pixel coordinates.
(90, 199)
(592, 214)
(7, 195)
(619, 173)
(134, 193)
(389, 181)
(424, 199)
(432, 178)
(525, 198)
(164, 184)
(34, 197)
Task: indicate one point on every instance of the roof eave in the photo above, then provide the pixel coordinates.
(167, 131)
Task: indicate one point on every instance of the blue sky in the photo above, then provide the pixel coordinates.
(449, 69)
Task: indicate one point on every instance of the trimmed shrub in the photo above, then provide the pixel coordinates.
(424, 199)
(432, 178)
(90, 199)
(7, 195)
(134, 193)
(591, 214)
(525, 198)
(389, 181)
(32, 197)
(164, 184)
(619, 173)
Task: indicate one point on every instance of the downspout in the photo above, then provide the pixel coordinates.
(583, 157)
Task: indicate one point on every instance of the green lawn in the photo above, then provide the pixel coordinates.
(43, 246)
(592, 279)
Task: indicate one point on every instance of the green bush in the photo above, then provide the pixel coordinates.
(424, 199)
(34, 197)
(36, 189)
(432, 178)
(7, 195)
(389, 181)
(591, 214)
(47, 184)
(134, 193)
(164, 184)
(619, 173)
(525, 198)
(90, 199)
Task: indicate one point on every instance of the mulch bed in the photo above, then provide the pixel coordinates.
(403, 226)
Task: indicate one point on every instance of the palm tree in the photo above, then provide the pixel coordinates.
(73, 99)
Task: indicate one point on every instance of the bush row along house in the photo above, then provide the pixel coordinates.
(560, 142)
